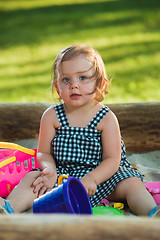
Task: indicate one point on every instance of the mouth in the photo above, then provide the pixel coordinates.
(75, 96)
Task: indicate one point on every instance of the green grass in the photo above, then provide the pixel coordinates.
(125, 32)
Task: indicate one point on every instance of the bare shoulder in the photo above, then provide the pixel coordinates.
(50, 117)
(109, 121)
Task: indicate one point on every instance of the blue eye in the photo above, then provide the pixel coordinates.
(82, 78)
(66, 79)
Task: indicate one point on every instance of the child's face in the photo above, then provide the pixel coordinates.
(76, 84)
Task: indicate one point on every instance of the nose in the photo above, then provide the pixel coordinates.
(73, 84)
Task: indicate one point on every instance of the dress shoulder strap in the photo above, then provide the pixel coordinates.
(98, 117)
(61, 114)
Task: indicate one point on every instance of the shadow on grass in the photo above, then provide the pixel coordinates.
(26, 90)
(78, 23)
(109, 55)
(44, 69)
(124, 78)
(55, 23)
(129, 50)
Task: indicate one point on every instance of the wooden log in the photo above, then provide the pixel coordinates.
(71, 227)
(20, 120)
(139, 123)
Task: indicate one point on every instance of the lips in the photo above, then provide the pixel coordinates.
(75, 96)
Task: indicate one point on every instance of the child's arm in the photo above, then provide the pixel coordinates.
(45, 160)
(111, 147)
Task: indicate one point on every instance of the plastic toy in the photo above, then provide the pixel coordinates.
(69, 197)
(17, 147)
(105, 202)
(154, 189)
(107, 211)
(119, 205)
(15, 162)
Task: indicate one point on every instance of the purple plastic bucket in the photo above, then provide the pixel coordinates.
(69, 197)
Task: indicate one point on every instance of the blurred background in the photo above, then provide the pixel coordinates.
(125, 32)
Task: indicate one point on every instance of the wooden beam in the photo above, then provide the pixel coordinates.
(20, 120)
(71, 227)
(139, 123)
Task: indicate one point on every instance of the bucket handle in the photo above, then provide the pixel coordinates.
(61, 177)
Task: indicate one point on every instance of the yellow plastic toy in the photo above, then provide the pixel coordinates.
(119, 206)
(17, 147)
(61, 177)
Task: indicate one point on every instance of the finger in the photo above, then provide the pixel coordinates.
(91, 192)
(42, 191)
(48, 183)
(37, 188)
(38, 181)
(48, 189)
(46, 171)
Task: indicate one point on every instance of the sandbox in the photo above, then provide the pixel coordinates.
(140, 128)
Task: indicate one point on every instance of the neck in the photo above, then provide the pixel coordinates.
(81, 116)
(82, 109)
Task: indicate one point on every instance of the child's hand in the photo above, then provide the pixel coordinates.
(45, 182)
(89, 184)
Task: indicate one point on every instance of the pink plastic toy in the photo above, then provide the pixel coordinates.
(105, 202)
(154, 189)
(15, 162)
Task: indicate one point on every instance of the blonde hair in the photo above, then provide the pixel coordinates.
(102, 81)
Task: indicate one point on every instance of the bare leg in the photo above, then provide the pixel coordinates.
(134, 192)
(22, 196)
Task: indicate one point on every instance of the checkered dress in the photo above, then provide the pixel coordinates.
(78, 151)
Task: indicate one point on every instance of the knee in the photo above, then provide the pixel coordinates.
(125, 187)
(130, 185)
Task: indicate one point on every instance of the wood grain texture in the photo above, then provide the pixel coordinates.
(71, 227)
(139, 123)
(20, 121)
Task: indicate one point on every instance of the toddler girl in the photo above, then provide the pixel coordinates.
(80, 137)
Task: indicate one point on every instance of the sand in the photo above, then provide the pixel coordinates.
(148, 164)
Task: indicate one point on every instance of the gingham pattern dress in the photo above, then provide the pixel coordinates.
(78, 150)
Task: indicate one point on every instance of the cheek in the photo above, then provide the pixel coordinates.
(90, 88)
(62, 90)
